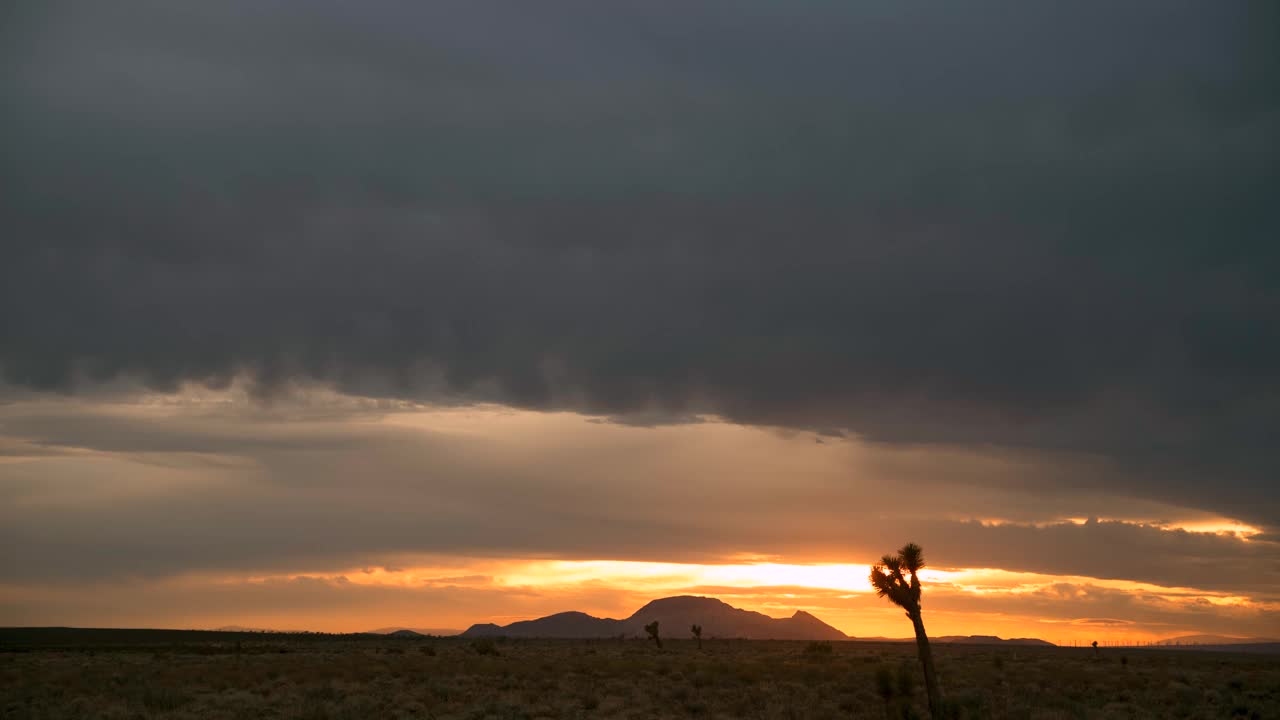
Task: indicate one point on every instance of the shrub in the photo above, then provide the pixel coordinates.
(965, 704)
(484, 646)
(884, 683)
(164, 699)
(906, 680)
(652, 629)
(817, 650)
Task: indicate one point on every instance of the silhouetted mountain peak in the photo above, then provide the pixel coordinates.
(674, 615)
(685, 603)
(987, 640)
(569, 615)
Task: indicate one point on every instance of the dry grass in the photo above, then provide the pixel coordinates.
(451, 678)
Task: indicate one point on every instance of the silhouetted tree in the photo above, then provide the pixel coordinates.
(697, 633)
(1095, 649)
(652, 629)
(890, 579)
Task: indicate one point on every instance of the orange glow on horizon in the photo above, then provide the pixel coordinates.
(839, 594)
(677, 466)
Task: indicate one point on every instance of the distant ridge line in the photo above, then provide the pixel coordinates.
(13, 637)
(717, 618)
(675, 615)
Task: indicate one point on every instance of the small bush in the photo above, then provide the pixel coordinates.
(817, 650)
(484, 646)
(164, 699)
(884, 683)
(965, 704)
(906, 679)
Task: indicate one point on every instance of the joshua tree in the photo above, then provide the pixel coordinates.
(697, 632)
(652, 629)
(889, 578)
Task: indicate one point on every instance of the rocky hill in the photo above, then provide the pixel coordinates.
(674, 615)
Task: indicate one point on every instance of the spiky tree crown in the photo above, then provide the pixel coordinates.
(896, 577)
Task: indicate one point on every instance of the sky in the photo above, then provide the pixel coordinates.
(337, 316)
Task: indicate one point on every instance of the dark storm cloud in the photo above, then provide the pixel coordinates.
(978, 224)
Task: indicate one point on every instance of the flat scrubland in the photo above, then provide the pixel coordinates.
(112, 674)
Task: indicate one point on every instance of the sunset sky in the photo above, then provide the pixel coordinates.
(338, 316)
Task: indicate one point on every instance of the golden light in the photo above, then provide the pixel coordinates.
(646, 575)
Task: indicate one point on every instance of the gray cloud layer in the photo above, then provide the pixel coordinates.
(236, 489)
(986, 223)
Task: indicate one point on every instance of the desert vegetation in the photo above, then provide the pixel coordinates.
(317, 677)
(896, 578)
(652, 630)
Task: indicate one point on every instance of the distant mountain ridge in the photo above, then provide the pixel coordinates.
(674, 615)
(403, 631)
(1215, 640)
(718, 620)
(989, 640)
(962, 640)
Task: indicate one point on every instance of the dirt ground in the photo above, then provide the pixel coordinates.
(230, 675)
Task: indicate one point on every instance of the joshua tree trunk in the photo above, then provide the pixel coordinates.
(926, 662)
(889, 578)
